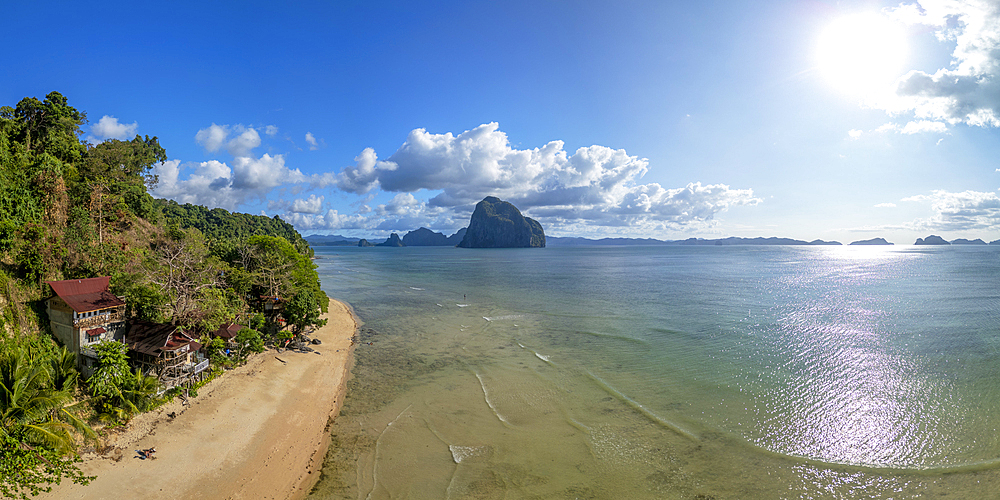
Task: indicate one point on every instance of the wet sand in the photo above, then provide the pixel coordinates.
(259, 431)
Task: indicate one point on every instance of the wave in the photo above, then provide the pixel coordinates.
(505, 317)
(415, 288)
(486, 396)
(635, 405)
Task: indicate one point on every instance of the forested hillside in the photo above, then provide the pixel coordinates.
(69, 210)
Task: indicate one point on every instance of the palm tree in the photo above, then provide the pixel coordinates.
(32, 406)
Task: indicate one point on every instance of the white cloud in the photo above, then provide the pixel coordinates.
(885, 205)
(362, 177)
(242, 144)
(311, 140)
(331, 220)
(968, 91)
(916, 127)
(211, 138)
(959, 211)
(215, 137)
(271, 130)
(311, 205)
(595, 185)
(214, 184)
(854, 133)
(109, 128)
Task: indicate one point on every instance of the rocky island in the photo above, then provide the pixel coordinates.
(498, 224)
(931, 240)
(873, 241)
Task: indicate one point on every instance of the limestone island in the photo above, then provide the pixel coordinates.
(873, 241)
(498, 224)
(931, 240)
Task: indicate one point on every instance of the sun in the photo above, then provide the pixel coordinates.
(862, 54)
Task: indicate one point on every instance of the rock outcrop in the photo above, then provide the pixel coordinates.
(931, 240)
(392, 241)
(365, 243)
(873, 241)
(963, 241)
(498, 224)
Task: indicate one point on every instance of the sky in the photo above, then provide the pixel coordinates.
(805, 119)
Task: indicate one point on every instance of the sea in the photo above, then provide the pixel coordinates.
(634, 372)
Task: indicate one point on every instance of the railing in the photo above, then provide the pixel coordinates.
(100, 319)
(198, 368)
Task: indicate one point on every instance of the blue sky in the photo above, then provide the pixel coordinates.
(648, 119)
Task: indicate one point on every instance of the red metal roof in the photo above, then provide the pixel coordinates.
(154, 339)
(96, 331)
(229, 330)
(86, 295)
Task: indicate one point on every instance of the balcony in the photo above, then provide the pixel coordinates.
(195, 369)
(100, 319)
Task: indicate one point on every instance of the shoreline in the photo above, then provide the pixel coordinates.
(258, 431)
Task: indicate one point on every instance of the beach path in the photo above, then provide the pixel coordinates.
(259, 431)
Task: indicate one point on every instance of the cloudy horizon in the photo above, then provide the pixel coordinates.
(667, 120)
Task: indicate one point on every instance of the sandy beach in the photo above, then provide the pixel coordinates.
(259, 431)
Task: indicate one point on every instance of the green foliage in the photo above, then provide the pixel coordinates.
(37, 426)
(119, 393)
(220, 224)
(26, 470)
(247, 341)
(215, 349)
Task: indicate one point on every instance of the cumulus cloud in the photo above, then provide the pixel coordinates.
(215, 137)
(271, 130)
(331, 220)
(595, 185)
(959, 211)
(212, 138)
(854, 133)
(108, 127)
(968, 90)
(216, 184)
(311, 205)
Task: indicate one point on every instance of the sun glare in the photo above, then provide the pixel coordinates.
(862, 54)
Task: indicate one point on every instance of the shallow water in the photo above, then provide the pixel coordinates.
(668, 372)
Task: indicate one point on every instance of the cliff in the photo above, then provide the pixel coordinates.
(365, 243)
(498, 224)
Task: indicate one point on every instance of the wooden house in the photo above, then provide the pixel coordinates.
(82, 313)
(166, 352)
(228, 333)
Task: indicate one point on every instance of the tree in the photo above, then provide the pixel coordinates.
(247, 341)
(37, 428)
(119, 393)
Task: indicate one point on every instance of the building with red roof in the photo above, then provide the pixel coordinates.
(82, 313)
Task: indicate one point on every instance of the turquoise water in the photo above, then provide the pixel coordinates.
(669, 372)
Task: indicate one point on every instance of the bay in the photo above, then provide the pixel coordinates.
(668, 372)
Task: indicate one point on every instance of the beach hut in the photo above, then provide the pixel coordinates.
(166, 352)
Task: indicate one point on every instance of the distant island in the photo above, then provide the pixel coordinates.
(426, 237)
(931, 240)
(873, 241)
